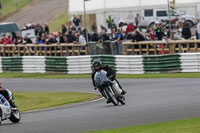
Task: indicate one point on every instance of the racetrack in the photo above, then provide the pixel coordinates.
(40, 11)
(148, 101)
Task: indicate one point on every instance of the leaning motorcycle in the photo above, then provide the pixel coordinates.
(109, 89)
(7, 112)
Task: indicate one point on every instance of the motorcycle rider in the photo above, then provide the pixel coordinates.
(110, 74)
(8, 95)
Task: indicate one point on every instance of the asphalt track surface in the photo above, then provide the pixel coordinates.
(40, 11)
(147, 101)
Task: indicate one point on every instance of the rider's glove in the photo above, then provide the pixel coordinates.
(95, 88)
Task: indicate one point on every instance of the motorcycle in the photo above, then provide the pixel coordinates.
(109, 89)
(7, 112)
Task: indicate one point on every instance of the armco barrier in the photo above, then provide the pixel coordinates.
(162, 63)
(79, 64)
(190, 62)
(33, 64)
(129, 64)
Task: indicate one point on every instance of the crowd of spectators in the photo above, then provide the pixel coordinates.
(72, 32)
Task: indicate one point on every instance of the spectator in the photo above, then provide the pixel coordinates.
(137, 20)
(38, 30)
(198, 29)
(130, 28)
(71, 36)
(9, 40)
(14, 37)
(94, 27)
(95, 36)
(104, 37)
(42, 39)
(186, 33)
(80, 38)
(27, 40)
(50, 39)
(64, 29)
(137, 37)
(118, 36)
(177, 35)
(149, 34)
(18, 39)
(3, 39)
(113, 34)
(77, 22)
(109, 22)
(103, 28)
(46, 28)
(159, 31)
(60, 38)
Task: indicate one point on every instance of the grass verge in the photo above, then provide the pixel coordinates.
(10, 6)
(122, 76)
(183, 126)
(27, 101)
(55, 24)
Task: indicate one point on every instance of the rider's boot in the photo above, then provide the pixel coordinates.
(123, 92)
(108, 101)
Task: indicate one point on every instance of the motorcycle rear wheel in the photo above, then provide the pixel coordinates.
(111, 97)
(15, 116)
(0, 116)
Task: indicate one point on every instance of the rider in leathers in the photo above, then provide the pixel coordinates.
(110, 74)
(8, 95)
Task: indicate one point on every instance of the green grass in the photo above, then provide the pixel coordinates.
(55, 24)
(10, 6)
(183, 126)
(27, 101)
(122, 76)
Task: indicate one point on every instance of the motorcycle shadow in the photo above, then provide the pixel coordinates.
(10, 124)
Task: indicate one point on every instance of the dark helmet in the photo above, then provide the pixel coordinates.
(96, 63)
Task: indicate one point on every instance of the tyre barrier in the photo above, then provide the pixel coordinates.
(131, 64)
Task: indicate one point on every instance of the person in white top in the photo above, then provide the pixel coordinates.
(80, 38)
(198, 28)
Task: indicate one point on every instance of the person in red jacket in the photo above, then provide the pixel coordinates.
(130, 28)
(3, 39)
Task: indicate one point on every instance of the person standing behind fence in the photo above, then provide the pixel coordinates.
(95, 36)
(118, 36)
(27, 40)
(137, 20)
(46, 28)
(77, 22)
(198, 29)
(130, 28)
(186, 33)
(3, 39)
(104, 37)
(159, 31)
(109, 21)
(64, 29)
(80, 38)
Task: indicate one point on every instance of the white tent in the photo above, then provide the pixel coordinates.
(76, 6)
(124, 10)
